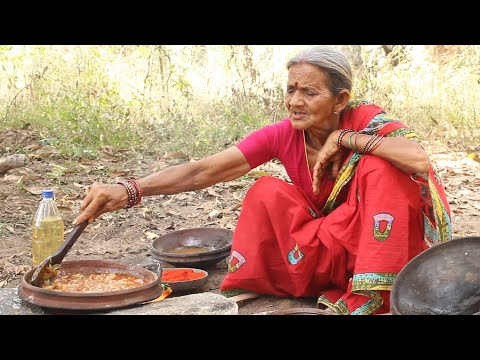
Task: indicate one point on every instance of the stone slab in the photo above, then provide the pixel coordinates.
(206, 303)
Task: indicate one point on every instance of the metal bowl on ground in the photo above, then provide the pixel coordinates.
(94, 300)
(185, 285)
(442, 280)
(195, 247)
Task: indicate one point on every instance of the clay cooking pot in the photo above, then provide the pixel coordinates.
(96, 300)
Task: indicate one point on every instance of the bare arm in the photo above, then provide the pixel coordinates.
(405, 154)
(223, 166)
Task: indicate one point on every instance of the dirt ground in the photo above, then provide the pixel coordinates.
(126, 235)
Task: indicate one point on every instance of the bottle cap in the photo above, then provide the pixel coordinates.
(47, 193)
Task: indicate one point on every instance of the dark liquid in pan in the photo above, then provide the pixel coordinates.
(189, 250)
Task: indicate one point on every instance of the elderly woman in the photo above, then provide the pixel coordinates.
(364, 199)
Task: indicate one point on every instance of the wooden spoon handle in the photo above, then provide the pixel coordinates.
(68, 243)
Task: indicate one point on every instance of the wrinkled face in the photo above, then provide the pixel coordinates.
(308, 99)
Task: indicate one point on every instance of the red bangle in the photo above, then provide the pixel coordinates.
(133, 191)
(138, 191)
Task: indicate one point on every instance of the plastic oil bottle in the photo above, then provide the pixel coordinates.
(47, 228)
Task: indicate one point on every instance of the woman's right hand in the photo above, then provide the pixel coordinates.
(328, 154)
(101, 198)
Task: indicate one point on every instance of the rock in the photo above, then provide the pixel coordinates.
(11, 304)
(195, 304)
(12, 162)
(206, 303)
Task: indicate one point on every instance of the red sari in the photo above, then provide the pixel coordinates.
(347, 245)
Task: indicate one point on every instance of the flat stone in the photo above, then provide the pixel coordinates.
(206, 303)
(11, 304)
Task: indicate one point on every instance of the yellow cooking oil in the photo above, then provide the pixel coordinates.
(47, 237)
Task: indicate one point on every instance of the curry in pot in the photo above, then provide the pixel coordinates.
(90, 282)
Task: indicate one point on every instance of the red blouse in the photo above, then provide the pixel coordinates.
(281, 141)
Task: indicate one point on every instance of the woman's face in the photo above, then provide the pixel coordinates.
(308, 99)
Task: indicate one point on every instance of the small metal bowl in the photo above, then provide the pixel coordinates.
(187, 284)
(195, 247)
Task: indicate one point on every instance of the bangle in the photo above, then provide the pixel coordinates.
(340, 137)
(368, 144)
(134, 192)
(138, 190)
(356, 137)
(376, 144)
(352, 145)
(372, 143)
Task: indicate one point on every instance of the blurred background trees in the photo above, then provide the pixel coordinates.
(199, 99)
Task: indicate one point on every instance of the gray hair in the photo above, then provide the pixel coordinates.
(333, 62)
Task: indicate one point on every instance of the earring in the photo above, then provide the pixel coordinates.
(335, 113)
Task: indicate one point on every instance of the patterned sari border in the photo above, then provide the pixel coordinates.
(374, 302)
(373, 281)
(340, 307)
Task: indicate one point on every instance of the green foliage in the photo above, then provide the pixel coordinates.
(439, 96)
(201, 99)
(77, 111)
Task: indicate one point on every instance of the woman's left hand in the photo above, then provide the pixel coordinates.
(328, 154)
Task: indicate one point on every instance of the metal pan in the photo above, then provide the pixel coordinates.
(442, 280)
(214, 244)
